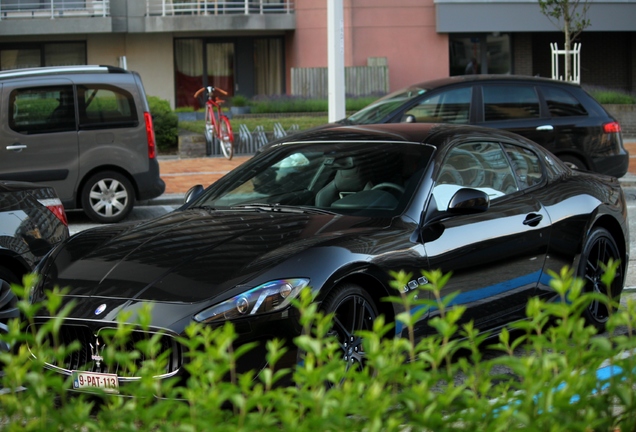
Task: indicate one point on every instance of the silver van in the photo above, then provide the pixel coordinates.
(84, 130)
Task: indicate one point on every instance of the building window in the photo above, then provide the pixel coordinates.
(46, 54)
(483, 53)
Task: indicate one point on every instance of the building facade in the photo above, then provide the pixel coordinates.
(250, 47)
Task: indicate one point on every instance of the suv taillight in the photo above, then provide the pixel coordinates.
(56, 207)
(612, 127)
(150, 134)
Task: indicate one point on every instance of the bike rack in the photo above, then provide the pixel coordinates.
(249, 142)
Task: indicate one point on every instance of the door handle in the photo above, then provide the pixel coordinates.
(533, 219)
(545, 128)
(16, 147)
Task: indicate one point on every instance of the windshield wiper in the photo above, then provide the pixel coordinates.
(280, 208)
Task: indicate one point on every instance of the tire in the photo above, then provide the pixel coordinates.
(599, 248)
(353, 310)
(573, 162)
(209, 130)
(8, 302)
(107, 197)
(226, 140)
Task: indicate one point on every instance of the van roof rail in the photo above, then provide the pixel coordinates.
(60, 70)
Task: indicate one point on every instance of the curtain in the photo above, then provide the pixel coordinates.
(268, 55)
(188, 54)
(220, 66)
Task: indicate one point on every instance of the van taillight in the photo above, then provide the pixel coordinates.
(150, 134)
(56, 207)
(613, 127)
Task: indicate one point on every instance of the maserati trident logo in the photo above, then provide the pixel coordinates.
(96, 351)
(101, 308)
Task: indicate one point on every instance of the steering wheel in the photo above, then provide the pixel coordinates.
(387, 185)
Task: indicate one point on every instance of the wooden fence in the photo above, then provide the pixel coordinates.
(359, 81)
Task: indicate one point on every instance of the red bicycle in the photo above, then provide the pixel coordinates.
(217, 125)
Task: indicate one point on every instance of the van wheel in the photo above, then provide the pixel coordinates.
(107, 197)
(8, 300)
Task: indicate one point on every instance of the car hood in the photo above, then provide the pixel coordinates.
(192, 255)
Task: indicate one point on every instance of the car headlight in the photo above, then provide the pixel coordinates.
(268, 297)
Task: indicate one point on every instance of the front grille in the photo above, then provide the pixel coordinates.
(93, 343)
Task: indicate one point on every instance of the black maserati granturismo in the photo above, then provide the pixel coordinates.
(337, 210)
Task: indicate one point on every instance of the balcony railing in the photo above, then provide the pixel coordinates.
(217, 7)
(53, 8)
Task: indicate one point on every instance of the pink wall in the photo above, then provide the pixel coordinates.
(403, 31)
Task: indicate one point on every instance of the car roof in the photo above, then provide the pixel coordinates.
(60, 70)
(437, 134)
(442, 82)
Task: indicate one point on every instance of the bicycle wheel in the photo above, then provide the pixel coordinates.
(226, 138)
(209, 128)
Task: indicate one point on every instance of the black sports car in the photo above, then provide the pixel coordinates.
(32, 221)
(337, 210)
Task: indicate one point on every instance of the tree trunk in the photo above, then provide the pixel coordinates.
(568, 43)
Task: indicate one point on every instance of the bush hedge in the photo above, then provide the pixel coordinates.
(166, 124)
(439, 383)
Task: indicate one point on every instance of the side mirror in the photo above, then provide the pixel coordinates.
(409, 118)
(469, 201)
(193, 192)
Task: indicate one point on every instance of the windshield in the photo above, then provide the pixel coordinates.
(364, 178)
(384, 106)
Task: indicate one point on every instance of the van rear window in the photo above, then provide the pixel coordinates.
(104, 106)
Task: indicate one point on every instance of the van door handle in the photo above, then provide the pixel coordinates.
(545, 128)
(16, 147)
(533, 219)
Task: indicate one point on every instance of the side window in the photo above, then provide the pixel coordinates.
(42, 110)
(452, 106)
(561, 103)
(526, 165)
(510, 102)
(478, 165)
(103, 106)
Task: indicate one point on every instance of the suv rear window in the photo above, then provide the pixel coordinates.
(103, 106)
(561, 103)
(42, 110)
(508, 102)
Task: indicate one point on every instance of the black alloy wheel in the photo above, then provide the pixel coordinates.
(354, 310)
(8, 302)
(599, 249)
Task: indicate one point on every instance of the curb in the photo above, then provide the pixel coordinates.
(164, 200)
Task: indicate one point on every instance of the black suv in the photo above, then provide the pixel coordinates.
(560, 116)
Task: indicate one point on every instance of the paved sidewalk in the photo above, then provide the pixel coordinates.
(181, 174)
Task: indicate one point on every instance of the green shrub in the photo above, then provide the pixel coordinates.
(240, 101)
(605, 96)
(166, 124)
(406, 384)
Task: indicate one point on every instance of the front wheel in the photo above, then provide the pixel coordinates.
(8, 302)
(599, 248)
(107, 197)
(226, 138)
(209, 130)
(353, 310)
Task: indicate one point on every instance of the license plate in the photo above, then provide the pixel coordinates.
(87, 381)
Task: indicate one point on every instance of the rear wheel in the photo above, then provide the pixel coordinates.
(107, 197)
(573, 162)
(354, 310)
(226, 138)
(599, 248)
